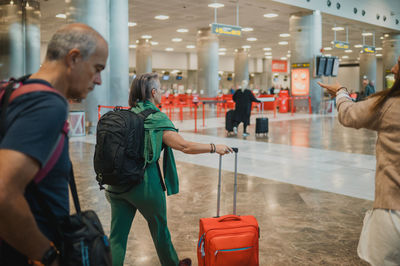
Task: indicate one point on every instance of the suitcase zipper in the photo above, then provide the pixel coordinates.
(229, 250)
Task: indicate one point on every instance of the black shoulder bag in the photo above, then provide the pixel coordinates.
(80, 237)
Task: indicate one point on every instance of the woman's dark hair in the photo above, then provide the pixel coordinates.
(141, 88)
(386, 94)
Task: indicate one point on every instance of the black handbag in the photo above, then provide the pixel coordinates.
(80, 237)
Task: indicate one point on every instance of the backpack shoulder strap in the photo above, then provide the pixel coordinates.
(24, 89)
(54, 155)
(147, 112)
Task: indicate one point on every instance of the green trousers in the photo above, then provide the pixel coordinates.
(149, 198)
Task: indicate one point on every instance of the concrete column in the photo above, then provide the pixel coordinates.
(207, 62)
(241, 66)
(19, 38)
(119, 52)
(143, 57)
(266, 76)
(94, 13)
(305, 43)
(391, 52)
(32, 37)
(367, 68)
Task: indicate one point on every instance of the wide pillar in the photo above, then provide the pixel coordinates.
(266, 75)
(391, 53)
(367, 68)
(207, 62)
(119, 52)
(143, 57)
(94, 13)
(241, 66)
(305, 43)
(19, 38)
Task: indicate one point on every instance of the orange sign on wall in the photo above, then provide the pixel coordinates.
(300, 81)
(279, 66)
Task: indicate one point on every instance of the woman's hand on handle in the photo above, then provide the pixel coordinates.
(223, 149)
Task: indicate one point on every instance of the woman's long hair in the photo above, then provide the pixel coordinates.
(141, 88)
(386, 94)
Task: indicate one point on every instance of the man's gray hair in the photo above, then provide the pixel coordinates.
(64, 40)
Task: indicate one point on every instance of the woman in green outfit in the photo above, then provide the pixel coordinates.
(149, 197)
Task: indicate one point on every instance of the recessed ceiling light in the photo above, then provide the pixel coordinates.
(348, 51)
(378, 48)
(283, 43)
(270, 15)
(268, 53)
(345, 57)
(216, 5)
(137, 41)
(252, 39)
(358, 46)
(366, 34)
(161, 17)
(288, 55)
(283, 58)
(337, 28)
(176, 39)
(267, 49)
(146, 37)
(154, 43)
(386, 35)
(221, 53)
(190, 46)
(132, 46)
(247, 29)
(222, 49)
(328, 48)
(378, 54)
(131, 24)
(284, 35)
(246, 46)
(175, 71)
(328, 55)
(381, 38)
(61, 16)
(268, 57)
(288, 51)
(182, 30)
(169, 49)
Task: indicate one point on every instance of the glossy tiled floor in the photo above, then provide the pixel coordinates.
(308, 184)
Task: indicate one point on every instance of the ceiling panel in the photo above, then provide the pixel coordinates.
(193, 15)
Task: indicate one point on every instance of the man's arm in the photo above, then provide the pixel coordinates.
(17, 224)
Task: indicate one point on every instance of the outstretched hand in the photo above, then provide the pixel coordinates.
(222, 149)
(332, 88)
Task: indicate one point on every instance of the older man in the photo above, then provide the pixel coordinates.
(75, 57)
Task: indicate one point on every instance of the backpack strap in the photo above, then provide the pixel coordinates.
(147, 112)
(14, 89)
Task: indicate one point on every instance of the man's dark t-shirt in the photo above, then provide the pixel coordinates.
(34, 124)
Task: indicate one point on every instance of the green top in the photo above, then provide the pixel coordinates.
(154, 126)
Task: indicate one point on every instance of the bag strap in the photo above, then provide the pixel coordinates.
(145, 113)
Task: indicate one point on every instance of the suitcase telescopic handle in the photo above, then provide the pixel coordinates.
(236, 150)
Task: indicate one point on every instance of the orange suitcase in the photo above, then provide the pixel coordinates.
(230, 240)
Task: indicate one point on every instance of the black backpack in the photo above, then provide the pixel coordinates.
(118, 156)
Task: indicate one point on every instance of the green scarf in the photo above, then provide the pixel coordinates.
(154, 126)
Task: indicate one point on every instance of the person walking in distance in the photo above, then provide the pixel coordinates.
(243, 98)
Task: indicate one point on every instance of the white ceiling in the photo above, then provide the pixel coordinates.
(193, 15)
